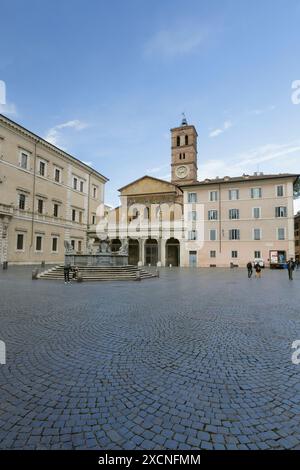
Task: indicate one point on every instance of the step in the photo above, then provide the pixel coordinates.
(99, 273)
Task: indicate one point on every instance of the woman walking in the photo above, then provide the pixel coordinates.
(257, 271)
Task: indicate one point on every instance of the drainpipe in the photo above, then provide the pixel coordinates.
(88, 210)
(220, 221)
(33, 194)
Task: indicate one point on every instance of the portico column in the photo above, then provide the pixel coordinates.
(141, 252)
(163, 252)
(159, 242)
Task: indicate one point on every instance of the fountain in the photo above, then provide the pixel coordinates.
(97, 255)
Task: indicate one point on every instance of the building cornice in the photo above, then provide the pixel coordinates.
(37, 139)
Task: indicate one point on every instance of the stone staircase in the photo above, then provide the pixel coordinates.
(100, 273)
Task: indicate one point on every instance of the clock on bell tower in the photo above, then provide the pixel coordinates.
(184, 154)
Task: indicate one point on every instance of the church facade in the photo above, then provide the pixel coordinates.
(220, 222)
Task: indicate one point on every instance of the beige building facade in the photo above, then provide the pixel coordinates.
(47, 198)
(297, 236)
(244, 219)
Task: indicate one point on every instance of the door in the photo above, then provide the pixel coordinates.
(151, 252)
(193, 259)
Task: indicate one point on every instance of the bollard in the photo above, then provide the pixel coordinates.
(5, 264)
(138, 275)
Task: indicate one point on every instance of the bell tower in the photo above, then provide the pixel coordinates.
(184, 154)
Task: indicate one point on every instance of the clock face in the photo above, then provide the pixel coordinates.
(182, 171)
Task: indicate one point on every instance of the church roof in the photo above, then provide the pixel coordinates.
(173, 187)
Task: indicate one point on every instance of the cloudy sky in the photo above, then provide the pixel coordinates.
(107, 80)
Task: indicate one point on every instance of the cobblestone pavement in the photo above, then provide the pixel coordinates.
(195, 359)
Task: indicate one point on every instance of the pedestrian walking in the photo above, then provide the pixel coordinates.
(257, 271)
(290, 267)
(67, 273)
(249, 269)
(297, 264)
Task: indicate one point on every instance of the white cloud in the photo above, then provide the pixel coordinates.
(226, 125)
(54, 134)
(177, 41)
(259, 111)
(270, 158)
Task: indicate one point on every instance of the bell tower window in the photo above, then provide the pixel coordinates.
(178, 141)
(186, 140)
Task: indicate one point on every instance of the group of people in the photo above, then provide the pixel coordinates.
(256, 267)
(69, 269)
(291, 265)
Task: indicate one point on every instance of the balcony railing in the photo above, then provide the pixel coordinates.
(6, 209)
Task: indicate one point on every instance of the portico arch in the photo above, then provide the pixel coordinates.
(151, 251)
(133, 251)
(172, 252)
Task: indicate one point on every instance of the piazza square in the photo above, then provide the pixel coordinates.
(126, 365)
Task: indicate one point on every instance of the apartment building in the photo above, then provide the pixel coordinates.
(47, 198)
(297, 235)
(239, 219)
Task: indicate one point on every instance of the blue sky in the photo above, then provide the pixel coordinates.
(107, 80)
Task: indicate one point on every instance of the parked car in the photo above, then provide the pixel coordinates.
(259, 261)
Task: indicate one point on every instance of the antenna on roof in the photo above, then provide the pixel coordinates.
(184, 121)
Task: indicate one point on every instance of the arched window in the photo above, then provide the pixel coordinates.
(183, 156)
(186, 140)
(178, 141)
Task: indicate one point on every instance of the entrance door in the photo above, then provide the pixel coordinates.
(133, 252)
(172, 252)
(193, 259)
(151, 252)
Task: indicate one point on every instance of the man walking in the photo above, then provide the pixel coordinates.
(291, 267)
(250, 269)
(67, 273)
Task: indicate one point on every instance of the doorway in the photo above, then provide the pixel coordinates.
(151, 252)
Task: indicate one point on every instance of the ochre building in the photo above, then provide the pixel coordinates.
(47, 198)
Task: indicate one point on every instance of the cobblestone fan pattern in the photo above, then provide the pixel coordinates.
(195, 359)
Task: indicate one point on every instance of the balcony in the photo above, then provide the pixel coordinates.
(6, 210)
